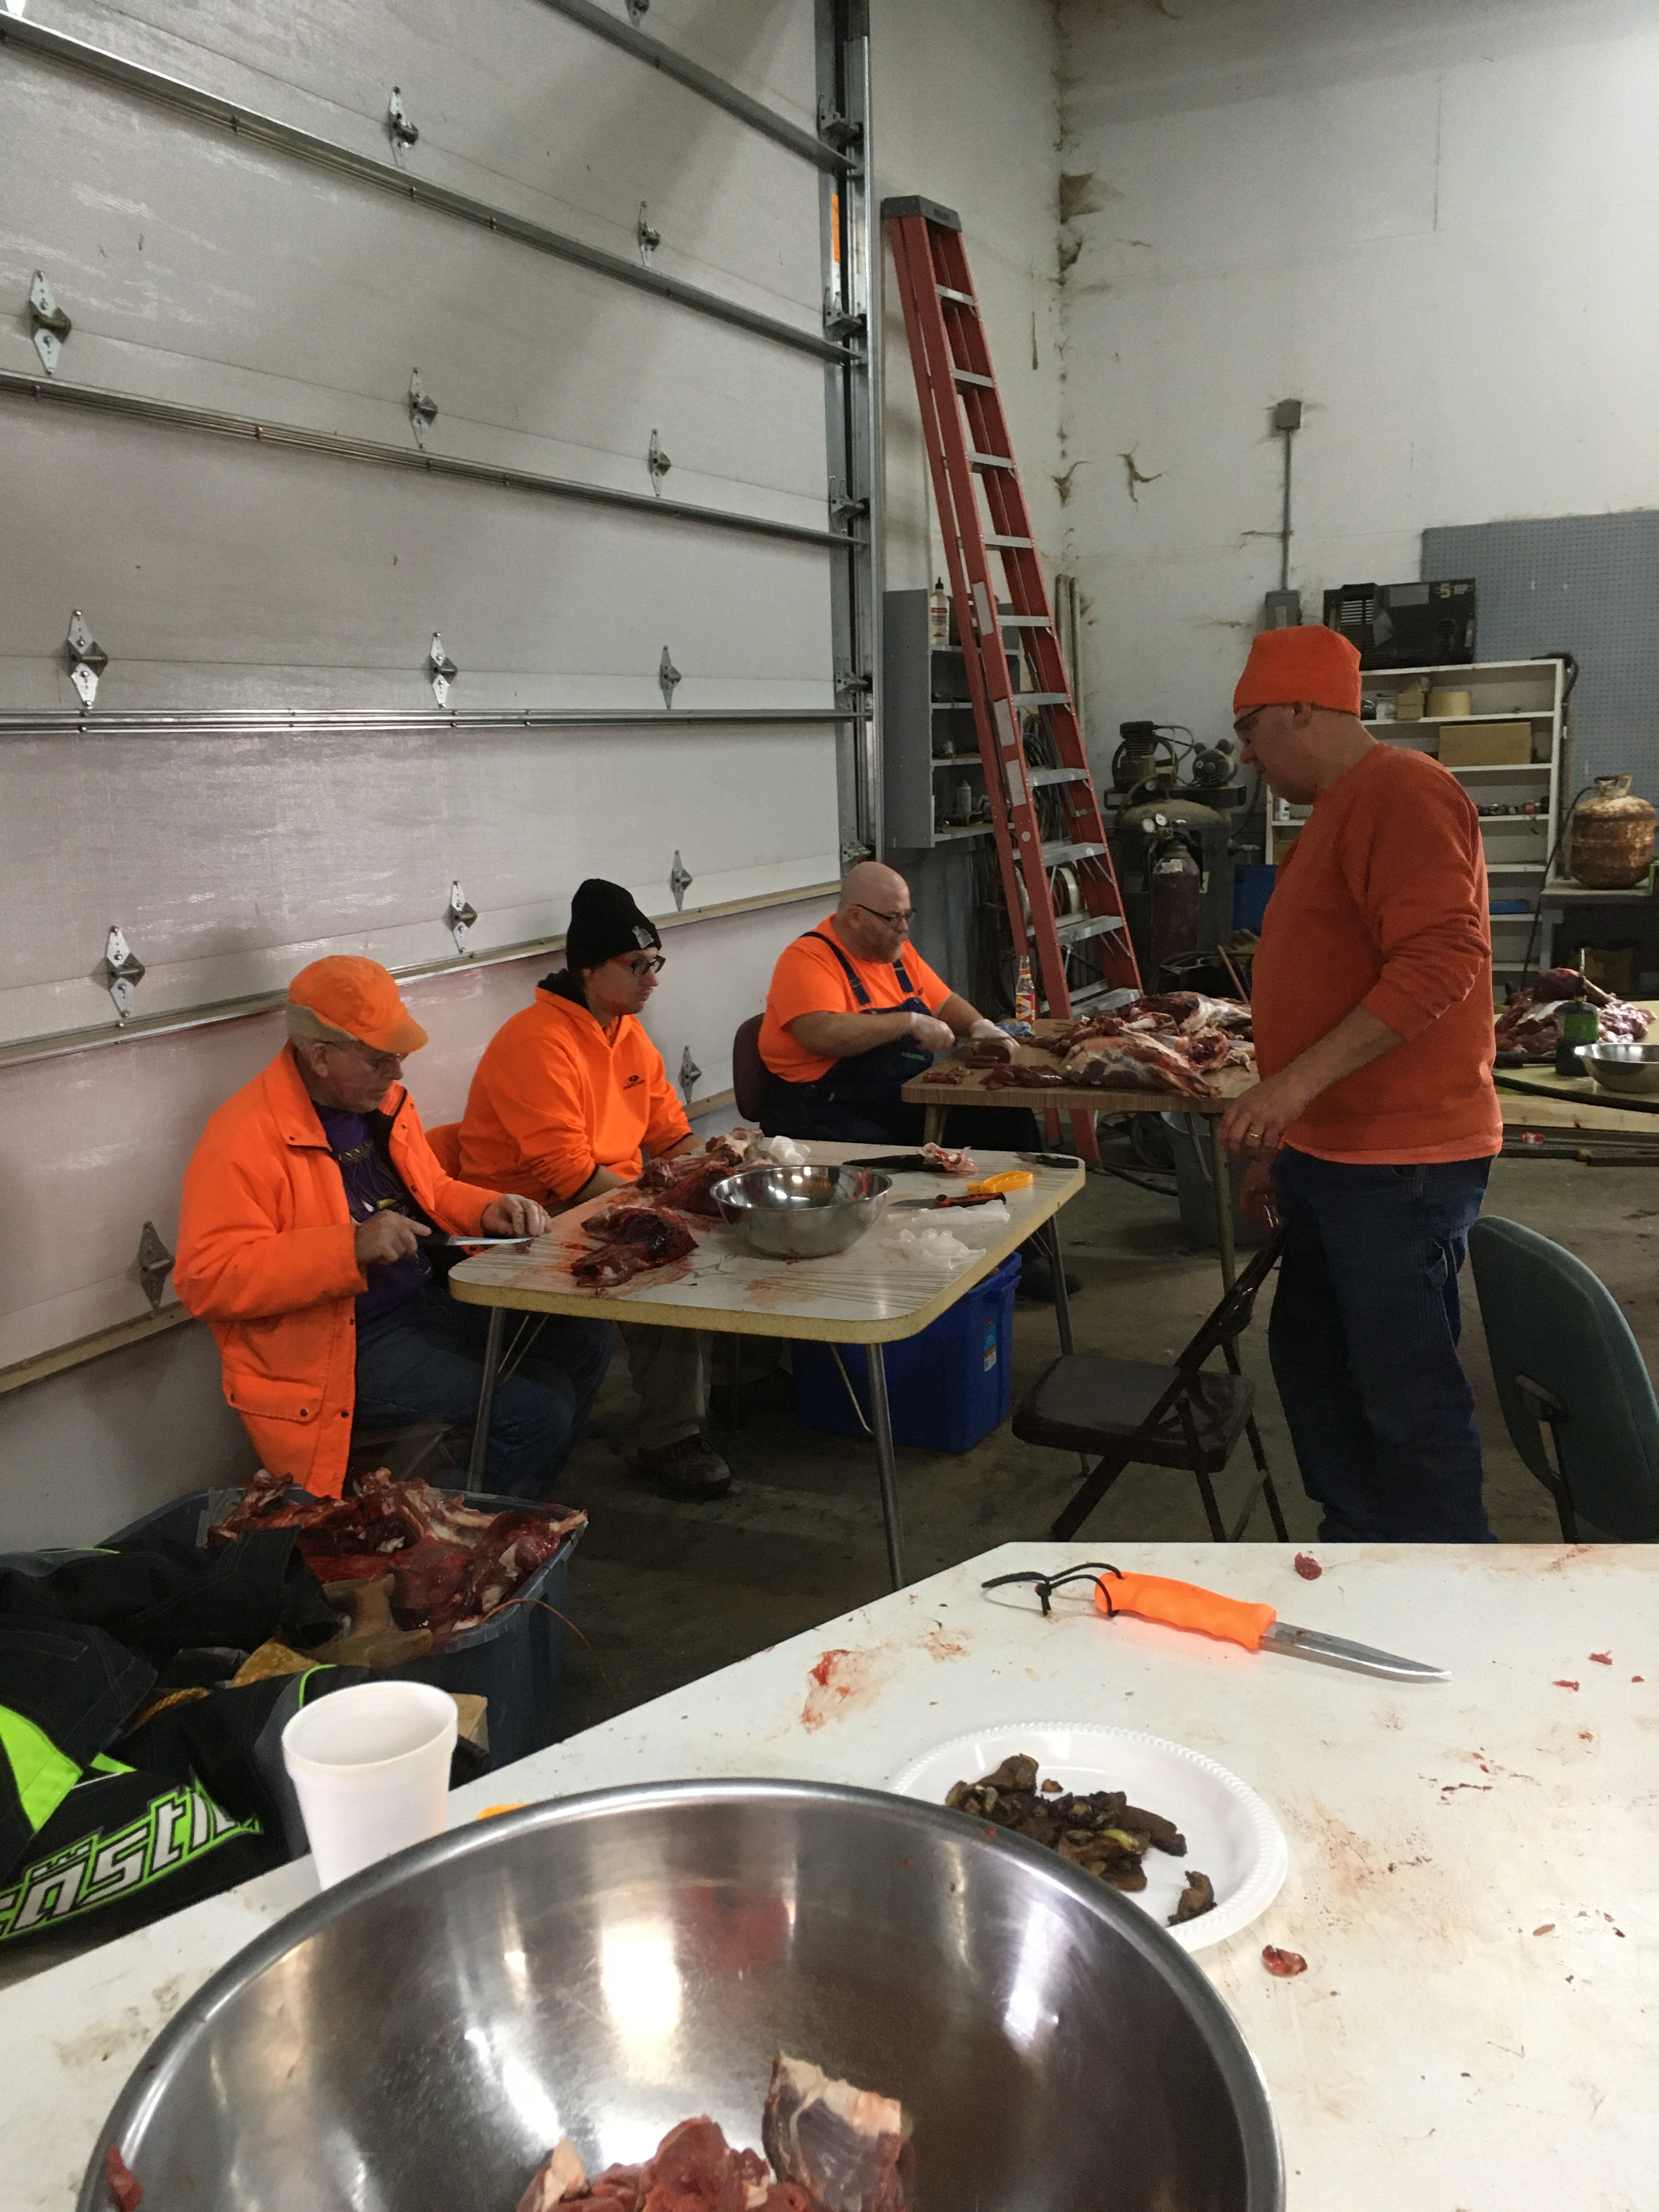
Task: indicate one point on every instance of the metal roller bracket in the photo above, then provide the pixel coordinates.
(680, 880)
(668, 676)
(844, 508)
(87, 659)
(459, 916)
(48, 325)
(422, 408)
(637, 11)
(154, 1264)
(123, 970)
(401, 131)
(836, 128)
(658, 463)
(649, 236)
(690, 1075)
(441, 668)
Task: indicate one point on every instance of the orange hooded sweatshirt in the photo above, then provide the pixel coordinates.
(556, 1097)
(267, 1256)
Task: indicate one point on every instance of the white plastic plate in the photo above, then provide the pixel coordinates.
(1231, 1834)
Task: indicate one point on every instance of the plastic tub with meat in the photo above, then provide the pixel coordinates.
(514, 1659)
(601, 1967)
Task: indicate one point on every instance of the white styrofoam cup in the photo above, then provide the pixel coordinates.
(370, 1766)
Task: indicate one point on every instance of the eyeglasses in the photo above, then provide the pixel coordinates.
(893, 920)
(638, 970)
(387, 1065)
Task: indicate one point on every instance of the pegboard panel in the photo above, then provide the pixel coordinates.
(1589, 584)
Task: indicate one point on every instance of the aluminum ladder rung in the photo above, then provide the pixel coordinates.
(1009, 544)
(1025, 622)
(981, 462)
(958, 299)
(1042, 698)
(1057, 854)
(972, 376)
(1038, 776)
(1076, 929)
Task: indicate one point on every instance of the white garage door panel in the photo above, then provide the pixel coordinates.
(534, 363)
(221, 574)
(93, 1145)
(516, 106)
(763, 47)
(293, 846)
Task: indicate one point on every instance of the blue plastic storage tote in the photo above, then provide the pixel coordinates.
(514, 1660)
(946, 1387)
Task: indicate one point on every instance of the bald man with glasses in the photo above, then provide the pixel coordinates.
(570, 1099)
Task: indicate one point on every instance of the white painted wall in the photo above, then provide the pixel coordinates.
(1435, 222)
(964, 101)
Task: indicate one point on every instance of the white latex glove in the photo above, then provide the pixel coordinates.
(931, 1035)
(984, 1032)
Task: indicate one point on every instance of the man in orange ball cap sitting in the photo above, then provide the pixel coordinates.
(1372, 1134)
(307, 1203)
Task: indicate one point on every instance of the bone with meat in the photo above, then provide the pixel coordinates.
(693, 2169)
(685, 1182)
(631, 1238)
(1531, 1022)
(1133, 1062)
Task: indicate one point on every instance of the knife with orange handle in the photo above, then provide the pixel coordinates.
(1231, 1619)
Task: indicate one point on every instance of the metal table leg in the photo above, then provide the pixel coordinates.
(1062, 1296)
(886, 1466)
(1221, 1189)
(933, 1124)
(492, 1360)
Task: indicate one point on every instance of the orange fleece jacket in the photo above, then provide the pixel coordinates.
(1382, 903)
(555, 1098)
(267, 1254)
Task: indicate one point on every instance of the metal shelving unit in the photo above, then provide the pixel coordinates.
(1517, 846)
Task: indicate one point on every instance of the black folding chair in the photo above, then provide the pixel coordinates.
(1133, 1410)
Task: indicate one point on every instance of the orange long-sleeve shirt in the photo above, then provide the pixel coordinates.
(1382, 903)
(555, 1095)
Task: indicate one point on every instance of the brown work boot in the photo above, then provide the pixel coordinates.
(688, 1470)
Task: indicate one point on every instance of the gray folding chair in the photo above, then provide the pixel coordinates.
(1564, 1360)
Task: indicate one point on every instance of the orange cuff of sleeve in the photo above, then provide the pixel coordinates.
(1392, 1004)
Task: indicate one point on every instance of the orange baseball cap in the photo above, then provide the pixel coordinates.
(1307, 666)
(359, 997)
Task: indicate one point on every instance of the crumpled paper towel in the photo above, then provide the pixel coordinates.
(776, 1151)
(934, 1247)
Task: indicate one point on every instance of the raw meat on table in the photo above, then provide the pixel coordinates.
(1136, 1063)
(631, 1238)
(685, 1182)
(1531, 1022)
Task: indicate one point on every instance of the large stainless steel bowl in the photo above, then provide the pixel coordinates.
(1623, 1067)
(605, 1965)
(802, 1214)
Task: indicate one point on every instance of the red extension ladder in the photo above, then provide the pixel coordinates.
(1044, 811)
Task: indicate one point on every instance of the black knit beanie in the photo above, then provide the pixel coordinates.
(604, 923)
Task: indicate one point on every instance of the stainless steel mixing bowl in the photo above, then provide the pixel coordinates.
(604, 1966)
(802, 1214)
(1623, 1067)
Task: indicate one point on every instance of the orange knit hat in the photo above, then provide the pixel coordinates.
(358, 996)
(1307, 666)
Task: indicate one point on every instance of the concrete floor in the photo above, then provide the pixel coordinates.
(664, 1593)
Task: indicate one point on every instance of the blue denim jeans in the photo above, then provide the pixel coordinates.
(1364, 1344)
(424, 1361)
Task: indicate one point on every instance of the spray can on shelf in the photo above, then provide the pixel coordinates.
(1024, 995)
(938, 616)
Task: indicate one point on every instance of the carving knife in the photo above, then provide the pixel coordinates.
(1257, 1628)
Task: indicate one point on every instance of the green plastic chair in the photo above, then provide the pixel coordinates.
(1564, 1359)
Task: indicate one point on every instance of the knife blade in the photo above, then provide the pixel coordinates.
(1338, 1651)
(469, 1242)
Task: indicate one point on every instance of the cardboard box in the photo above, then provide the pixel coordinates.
(1487, 744)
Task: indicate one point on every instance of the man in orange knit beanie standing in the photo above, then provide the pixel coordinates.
(1372, 1131)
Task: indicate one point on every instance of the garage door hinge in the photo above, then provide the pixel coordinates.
(851, 684)
(422, 408)
(154, 1264)
(441, 668)
(459, 916)
(649, 236)
(680, 880)
(668, 676)
(843, 507)
(836, 128)
(658, 463)
(690, 1075)
(123, 969)
(636, 9)
(48, 325)
(842, 323)
(401, 131)
(87, 659)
